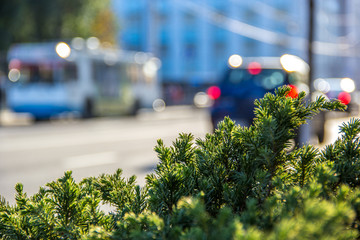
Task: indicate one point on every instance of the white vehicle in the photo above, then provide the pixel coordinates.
(52, 79)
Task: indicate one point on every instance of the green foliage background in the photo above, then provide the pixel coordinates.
(236, 183)
(44, 20)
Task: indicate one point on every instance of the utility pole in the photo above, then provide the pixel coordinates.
(318, 122)
(311, 29)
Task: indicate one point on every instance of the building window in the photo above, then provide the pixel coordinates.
(163, 50)
(190, 58)
(190, 51)
(189, 18)
(219, 49)
(219, 55)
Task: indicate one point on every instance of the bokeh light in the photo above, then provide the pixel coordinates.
(293, 63)
(159, 105)
(150, 69)
(78, 43)
(214, 92)
(15, 63)
(63, 50)
(344, 97)
(93, 43)
(14, 75)
(254, 68)
(347, 85)
(322, 85)
(201, 100)
(235, 61)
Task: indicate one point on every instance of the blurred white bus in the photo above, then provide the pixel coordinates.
(54, 79)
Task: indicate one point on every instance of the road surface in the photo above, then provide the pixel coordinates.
(35, 154)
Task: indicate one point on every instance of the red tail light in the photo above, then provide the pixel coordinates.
(294, 92)
(344, 97)
(254, 68)
(214, 92)
(15, 63)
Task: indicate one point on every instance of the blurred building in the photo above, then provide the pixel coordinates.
(194, 38)
(337, 39)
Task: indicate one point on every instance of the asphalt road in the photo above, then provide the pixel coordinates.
(35, 154)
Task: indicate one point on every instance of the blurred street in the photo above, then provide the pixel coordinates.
(42, 152)
(35, 154)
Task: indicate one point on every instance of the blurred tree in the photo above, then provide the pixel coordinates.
(11, 19)
(43, 20)
(104, 25)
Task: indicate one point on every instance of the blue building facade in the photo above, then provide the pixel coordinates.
(194, 38)
(337, 39)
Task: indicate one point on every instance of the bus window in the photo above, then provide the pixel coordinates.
(132, 72)
(106, 80)
(70, 72)
(125, 78)
(36, 74)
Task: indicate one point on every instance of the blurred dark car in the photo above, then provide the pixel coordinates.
(247, 79)
(343, 89)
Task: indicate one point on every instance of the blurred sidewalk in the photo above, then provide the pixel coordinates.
(9, 118)
(332, 124)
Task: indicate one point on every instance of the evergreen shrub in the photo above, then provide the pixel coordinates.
(236, 183)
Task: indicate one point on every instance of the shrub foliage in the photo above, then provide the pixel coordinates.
(236, 183)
